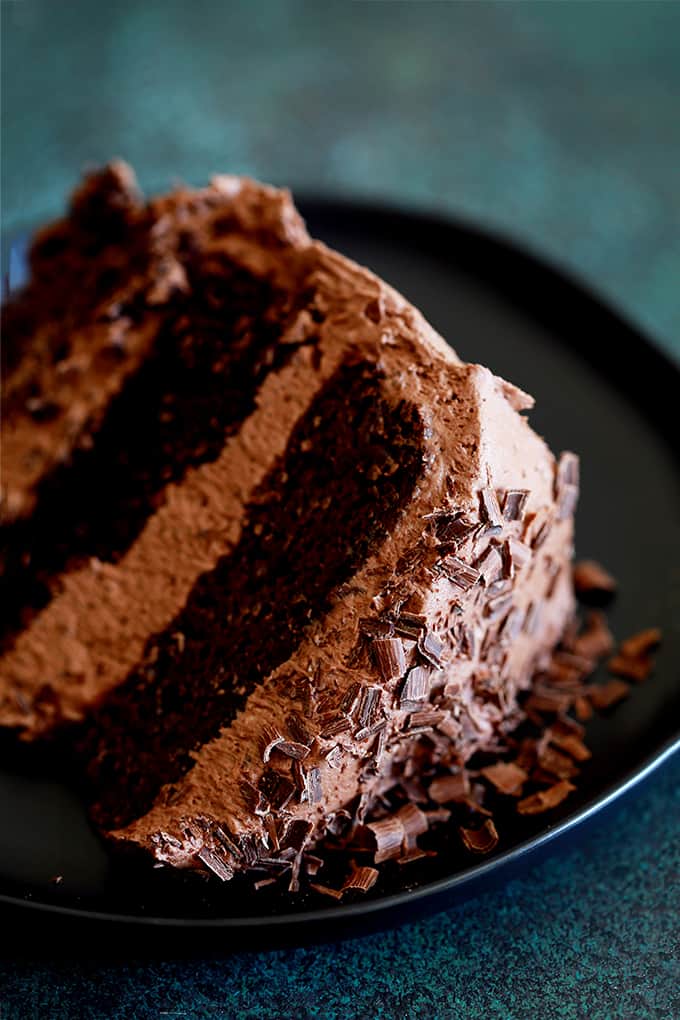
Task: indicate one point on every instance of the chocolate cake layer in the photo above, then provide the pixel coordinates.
(344, 570)
(351, 463)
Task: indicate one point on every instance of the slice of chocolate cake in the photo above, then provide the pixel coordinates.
(268, 542)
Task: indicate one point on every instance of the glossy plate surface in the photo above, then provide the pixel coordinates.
(600, 389)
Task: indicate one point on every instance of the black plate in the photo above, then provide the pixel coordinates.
(602, 390)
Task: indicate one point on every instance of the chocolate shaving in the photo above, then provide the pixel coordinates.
(445, 789)
(334, 757)
(482, 840)
(431, 648)
(543, 699)
(518, 552)
(489, 507)
(389, 836)
(312, 864)
(409, 625)
(389, 657)
(592, 580)
(296, 834)
(498, 606)
(455, 529)
(424, 718)
(532, 618)
(216, 864)
(596, 639)
(511, 625)
(369, 705)
(559, 766)
(413, 820)
(335, 726)
(272, 832)
(292, 749)
(414, 854)
(571, 743)
(506, 777)
(326, 890)
(362, 878)
(603, 696)
(544, 800)
(490, 565)
(567, 503)
(349, 702)
(631, 669)
(313, 792)
(271, 737)
(583, 708)
(276, 788)
(641, 644)
(248, 844)
(370, 731)
(262, 883)
(567, 470)
(416, 686)
(374, 627)
(513, 504)
(460, 574)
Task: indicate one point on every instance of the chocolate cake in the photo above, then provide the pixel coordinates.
(268, 543)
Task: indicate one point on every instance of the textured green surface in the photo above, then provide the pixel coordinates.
(559, 123)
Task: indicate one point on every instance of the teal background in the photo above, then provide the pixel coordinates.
(559, 123)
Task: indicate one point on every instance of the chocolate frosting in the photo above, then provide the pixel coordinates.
(421, 655)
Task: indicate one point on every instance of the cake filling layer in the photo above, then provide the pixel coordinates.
(350, 465)
(219, 342)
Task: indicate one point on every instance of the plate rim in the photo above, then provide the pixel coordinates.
(528, 262)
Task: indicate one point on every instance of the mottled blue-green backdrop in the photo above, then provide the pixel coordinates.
(559, 123)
